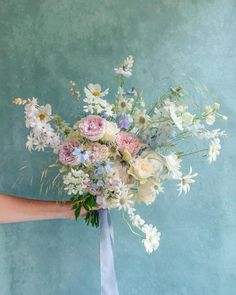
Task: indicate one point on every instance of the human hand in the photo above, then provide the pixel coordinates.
(69, 212)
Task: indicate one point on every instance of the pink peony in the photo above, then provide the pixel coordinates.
(128, 142)
(92, 127)
(66, 156)
(98, 151)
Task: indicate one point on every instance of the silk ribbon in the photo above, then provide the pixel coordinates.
(108, 275)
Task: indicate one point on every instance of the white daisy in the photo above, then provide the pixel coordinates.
(30, 142)
(124, 104)
(45, 113)
(214, 150)
(185, 181)
(124, 200)
(141, 118)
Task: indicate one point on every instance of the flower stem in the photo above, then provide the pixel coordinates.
(130, 227)
(195, 152)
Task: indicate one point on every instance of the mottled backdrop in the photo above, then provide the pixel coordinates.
(45, 43)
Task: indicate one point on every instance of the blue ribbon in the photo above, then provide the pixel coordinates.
(108, 275)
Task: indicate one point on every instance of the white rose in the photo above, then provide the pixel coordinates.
(111, 131)
(146, 192)
(148, 165)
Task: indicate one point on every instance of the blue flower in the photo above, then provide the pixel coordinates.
(100, 183)
(82, 156)
(129, 92)
(100, 170)
(108, 166)
(103, 167)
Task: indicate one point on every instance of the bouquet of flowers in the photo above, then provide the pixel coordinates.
(121, 154)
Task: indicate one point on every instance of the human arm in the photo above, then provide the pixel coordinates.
(16, 209)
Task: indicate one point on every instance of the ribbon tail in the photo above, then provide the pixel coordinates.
(108, 276)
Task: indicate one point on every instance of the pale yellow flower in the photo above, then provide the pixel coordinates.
(111, 131)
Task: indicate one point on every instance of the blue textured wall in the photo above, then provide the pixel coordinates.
(43, 44)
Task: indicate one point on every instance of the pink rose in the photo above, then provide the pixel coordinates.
(92, 127)
(98, 151)
(128, 142)
(66, 150)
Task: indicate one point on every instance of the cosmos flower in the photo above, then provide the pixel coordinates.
(95, 91)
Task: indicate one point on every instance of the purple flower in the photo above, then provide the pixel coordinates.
(124, 121)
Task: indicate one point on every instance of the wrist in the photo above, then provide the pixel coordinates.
(68, 212)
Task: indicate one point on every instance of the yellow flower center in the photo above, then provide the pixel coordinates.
(96, 93)
(123, 104)
(142, 120)
(42, 116)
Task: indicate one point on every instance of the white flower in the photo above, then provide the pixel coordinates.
(124, 104)
(30, 142)
(214, 150)
(40, 145)
(210, 119)
(76, 182)
(44, 113)
(137, 221)
(125, 69)
(141, 118)
(111, 131)
(95, 104)
(123, 200)
(187, 118)
(173, 110)
(185, 181)
(173, 165)
(146, 192)
(207, 134)
(210, 112)
(152, 238)
(95, 91)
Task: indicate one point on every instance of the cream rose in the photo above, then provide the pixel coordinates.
(111, 131)
(141, 168)
(147, 193)
(146, 166)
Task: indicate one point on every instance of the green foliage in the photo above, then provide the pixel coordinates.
(88, 202)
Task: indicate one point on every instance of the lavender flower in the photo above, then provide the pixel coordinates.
(124, 121)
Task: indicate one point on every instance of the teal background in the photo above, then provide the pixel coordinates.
(43, 44)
